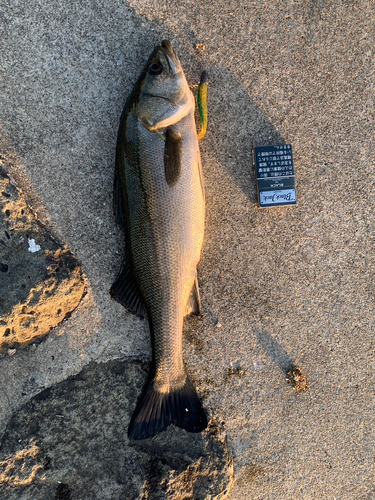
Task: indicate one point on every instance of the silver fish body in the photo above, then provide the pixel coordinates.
(159, 198)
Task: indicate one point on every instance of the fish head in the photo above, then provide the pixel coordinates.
(165, 97)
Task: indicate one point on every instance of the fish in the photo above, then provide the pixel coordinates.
(159, 201)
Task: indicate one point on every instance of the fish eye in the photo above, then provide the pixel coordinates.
(155, 68)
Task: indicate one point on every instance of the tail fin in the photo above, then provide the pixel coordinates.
(156, 410)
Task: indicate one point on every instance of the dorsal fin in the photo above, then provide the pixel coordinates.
(172, 157)
(117, 201)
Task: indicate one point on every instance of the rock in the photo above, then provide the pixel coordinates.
(41, 282)
(71, 439)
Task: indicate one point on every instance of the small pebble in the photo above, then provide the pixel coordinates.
(33, 247)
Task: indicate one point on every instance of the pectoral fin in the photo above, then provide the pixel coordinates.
(172, 157)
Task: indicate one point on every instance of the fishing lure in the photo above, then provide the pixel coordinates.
(202, 104)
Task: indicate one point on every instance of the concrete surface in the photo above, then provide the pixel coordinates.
(290, 286)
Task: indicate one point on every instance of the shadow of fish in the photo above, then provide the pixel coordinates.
(159, 200)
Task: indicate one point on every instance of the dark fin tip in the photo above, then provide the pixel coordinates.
(156, 411)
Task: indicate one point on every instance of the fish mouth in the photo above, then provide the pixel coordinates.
(170, 54)
(166, 44)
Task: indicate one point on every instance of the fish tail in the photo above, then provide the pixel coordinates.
(156, 411)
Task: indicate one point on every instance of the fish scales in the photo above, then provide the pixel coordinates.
(162, 197)
(169, 249)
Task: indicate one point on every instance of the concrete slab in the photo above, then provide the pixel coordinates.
(289, 286)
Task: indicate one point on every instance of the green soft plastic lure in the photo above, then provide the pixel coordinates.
(202, 104)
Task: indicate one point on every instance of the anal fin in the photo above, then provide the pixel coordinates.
(126, 292)
(194, 305)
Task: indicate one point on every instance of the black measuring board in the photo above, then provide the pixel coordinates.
(275, 175)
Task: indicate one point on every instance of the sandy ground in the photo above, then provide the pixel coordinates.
(290, 286)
